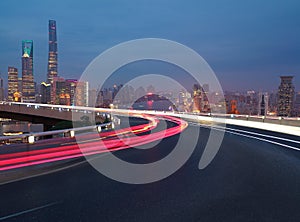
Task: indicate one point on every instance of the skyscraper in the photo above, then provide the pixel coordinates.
(1, 90)
(45, 90)
(52, 56)
(286, 93)
(71, 89)
(58, 91)
(263, 104)
(12, 83)
(81, 94)
(28, 88)
(197, 98)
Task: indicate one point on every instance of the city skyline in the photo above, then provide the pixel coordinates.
(144, 110)
(60, 91)
(256, 51)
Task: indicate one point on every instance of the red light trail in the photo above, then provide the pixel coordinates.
(94, 144)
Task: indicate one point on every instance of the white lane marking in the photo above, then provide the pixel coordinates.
(29, 211)
(250, 132)
(253, 137)
(265, 140)
(264, 135)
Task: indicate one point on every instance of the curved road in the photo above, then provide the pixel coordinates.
(248, 180)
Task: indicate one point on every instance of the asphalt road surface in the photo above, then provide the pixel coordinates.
(248, 180)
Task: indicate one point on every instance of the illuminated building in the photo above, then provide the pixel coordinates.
(200, 100)
(64, 99)
(78, 92)
(12, 83)
(52, 56)
(71, 88)
(197, 98)
(232, 107)
(28, 88)
(45, 92)
(82, 94)
(58, 89)
(286, 93)
(17, 97)
(184, 101)
(69, 92)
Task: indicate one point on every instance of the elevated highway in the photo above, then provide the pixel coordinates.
(52, 113)
(252, 178)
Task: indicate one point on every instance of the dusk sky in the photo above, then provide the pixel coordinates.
(248, 44)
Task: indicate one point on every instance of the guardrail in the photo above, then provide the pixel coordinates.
(292, 121)
(287, 124)
(32, 137)
(287, 121)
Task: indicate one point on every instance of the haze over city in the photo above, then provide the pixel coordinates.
(248, 44)
(108, 113)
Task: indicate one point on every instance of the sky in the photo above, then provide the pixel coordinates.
(248, 44)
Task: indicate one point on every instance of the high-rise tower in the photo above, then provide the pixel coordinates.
(286, 93)
(12, 83)
(28, 88)
(52, 56)
(263, 104)
(1, 90)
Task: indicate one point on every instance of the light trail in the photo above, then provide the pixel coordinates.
(106, 144)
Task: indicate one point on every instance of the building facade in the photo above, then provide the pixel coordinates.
(286, 93)
(52, 55)
(1, 90)
(28, 88)
(263, 104)
(45, 91)
(81, 97)
(200, 99)
(197, 98)
(12, 83)
(58, 91)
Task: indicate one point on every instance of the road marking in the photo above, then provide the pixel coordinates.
(29, 211)
(243, 131)
(252, 137)
(264, 135)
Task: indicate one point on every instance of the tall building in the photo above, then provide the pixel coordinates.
(82, 94)
(286, 93)
(92, 97)
(197, 98)
(13, 83)
(52, 56)
(71, 88)
(263, 104)
(28, 88)
(45, 91)
(59, 92)
(200, 99)
(272, 106)
(20, 84)
(1, 90)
